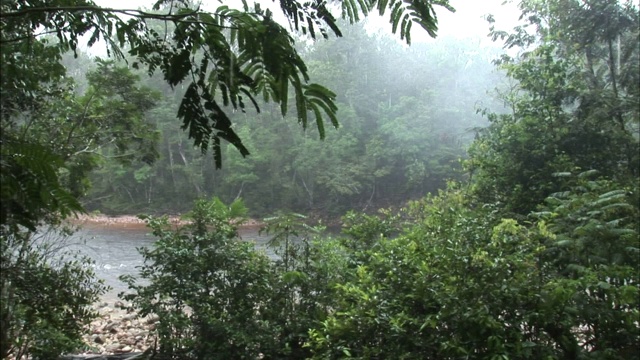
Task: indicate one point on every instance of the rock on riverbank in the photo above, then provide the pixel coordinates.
(118, 332)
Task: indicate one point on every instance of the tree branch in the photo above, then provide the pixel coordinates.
(26, 37)
(130, 12)
(177, 18)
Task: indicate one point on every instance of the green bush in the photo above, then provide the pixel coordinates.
(455, 281)
(46, 295)
(593, 258)
(209, 289)
(309, 268)
(217, 297)
(460, 282)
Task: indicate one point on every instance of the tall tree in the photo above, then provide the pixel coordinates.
(575, 105)
(225, 57)
(397, 139)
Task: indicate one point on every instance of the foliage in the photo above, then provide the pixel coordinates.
(46, 295)
(455, 279)
(49, 151)
(109, 120)
(363, 231)
(215, 294)
(217, 61)
(571, 108)
(397, 140)
(224, 58)
(287, 231)
(30, 187)
(461, 274)
(594, 252)
(462, 282)
(308, 268)
(49, 145)
(208, 288)
(470, 274)
(444, 279)
(244, 53)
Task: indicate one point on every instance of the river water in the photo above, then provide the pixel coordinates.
(113, 247)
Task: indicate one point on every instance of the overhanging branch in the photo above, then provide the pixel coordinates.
(130, 12)
(176, 18)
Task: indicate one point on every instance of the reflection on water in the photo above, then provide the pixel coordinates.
(113, 248)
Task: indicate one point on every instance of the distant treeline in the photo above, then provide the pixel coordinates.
(406, 116)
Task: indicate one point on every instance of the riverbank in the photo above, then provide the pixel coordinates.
(116, 331)
(105, 220)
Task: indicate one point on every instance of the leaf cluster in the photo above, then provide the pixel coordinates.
(46, 295)
(460, 281)
(455, 279)
(215, 294)
(226, 56)
(570, 109)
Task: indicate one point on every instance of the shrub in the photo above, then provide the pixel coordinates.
(308, 270)
(460, 282)
(217, 297)
(46, 295)
(209, 288)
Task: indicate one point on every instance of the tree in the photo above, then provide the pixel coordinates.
(31, 189)
(209, 289)
(247, 53)
(217, 296)
(243, 54)
(461, 282)
(575, 105)
(223, 58)
(46, 293)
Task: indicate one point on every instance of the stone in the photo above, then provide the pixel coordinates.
(112, 347)
(129, 317)
(153, 318)
(105, 310)
(111, 327)
(117, 330)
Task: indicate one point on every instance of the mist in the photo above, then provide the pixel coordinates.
(319, 188)
(406, 115)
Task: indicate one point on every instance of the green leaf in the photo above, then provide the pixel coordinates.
(604, 285)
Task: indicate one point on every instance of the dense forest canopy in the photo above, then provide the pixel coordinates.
(397, 139)
(510, 176)
(225, 58)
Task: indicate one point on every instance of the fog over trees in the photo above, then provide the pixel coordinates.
(406, 116)
(485, 181)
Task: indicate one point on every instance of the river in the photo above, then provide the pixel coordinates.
(113, 247)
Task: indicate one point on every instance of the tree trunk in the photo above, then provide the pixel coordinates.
(173, 175)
